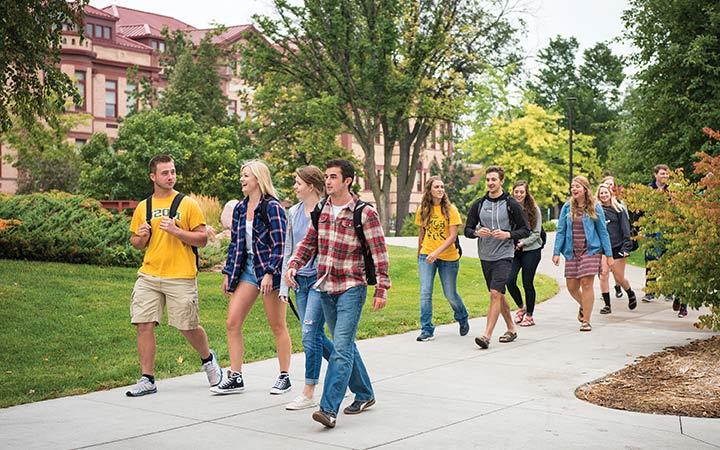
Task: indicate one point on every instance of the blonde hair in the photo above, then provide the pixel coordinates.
(261, 172)
(613, 201)
(589, 206)
(426, 204)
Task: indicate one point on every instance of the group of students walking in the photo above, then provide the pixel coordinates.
(330, 246)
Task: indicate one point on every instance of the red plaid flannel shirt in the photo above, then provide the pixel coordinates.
(339, 255)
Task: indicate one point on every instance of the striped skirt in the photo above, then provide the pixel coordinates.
(583, 266)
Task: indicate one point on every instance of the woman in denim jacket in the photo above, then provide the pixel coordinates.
(309, 187)
(253, 267)
(582, 238)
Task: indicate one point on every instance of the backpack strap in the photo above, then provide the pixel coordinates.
(315, 213)
(360, 233)
(148, 209)
(173, 212)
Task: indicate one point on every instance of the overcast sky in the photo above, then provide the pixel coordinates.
(590, 21)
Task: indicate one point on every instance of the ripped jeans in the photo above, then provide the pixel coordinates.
(315, 343)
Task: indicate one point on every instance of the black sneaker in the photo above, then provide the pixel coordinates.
(618, 291)
(648, 298)
(359, 406)
(325, 418)
(282, 385)
(233, 384)
(606, 310)
(683, 311)
(464, 328)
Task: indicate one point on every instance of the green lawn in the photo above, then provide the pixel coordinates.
(637, 258)
(66, 327)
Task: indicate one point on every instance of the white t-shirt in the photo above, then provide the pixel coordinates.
(248, 236)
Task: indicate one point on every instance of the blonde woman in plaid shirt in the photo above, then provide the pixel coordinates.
(254, 266)
(343, 286)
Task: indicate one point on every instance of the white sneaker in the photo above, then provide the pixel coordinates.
(212, 370)
(282, 385)
(301, 402)
(143, 387)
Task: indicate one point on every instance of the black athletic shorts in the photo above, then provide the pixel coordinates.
(496, 273)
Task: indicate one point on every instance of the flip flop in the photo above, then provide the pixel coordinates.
(585, 326)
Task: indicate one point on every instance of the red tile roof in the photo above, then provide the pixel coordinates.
(127, 42)
(231, 34)
(136, 31)
(92, 11)
(129, 16)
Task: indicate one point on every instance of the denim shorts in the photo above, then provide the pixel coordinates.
(248, 275)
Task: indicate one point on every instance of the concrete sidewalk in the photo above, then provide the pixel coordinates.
(440, 394)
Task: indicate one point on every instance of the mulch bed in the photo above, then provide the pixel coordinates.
(679, 381)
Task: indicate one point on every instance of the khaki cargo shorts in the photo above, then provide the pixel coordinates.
(151, 294)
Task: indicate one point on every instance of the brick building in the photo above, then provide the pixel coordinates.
(119, 38)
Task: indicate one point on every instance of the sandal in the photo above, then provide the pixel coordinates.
(509, 336)
(632, 301)
(519, 314)
(527, 321)
(580, 315)
(482, 342)
(585, 326)
(605, 310)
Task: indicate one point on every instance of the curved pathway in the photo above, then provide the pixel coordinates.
(440, 394)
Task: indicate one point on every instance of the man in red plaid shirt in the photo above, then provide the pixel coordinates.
(342, 287)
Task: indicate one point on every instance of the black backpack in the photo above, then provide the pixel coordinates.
(543, 236)
(370, 275)
(173, 212)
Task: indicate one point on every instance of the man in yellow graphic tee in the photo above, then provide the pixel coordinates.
(167, 277)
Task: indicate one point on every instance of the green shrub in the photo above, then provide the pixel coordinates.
(409, 228)
(57, 226)
(550, 225)
(214, 254)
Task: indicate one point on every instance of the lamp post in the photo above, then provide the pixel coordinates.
(570, 103)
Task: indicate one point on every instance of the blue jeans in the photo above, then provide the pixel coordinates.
(316, 345)
(448, 271)
(346, 367)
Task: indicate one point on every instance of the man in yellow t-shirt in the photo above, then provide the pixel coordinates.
(437, 252)
(167, 277)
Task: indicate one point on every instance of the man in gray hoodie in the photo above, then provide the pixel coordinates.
(497, 221)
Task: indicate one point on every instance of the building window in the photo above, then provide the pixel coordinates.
(161, 47)
(418, 181)
(98, 31)
(131, 102)
(232, 108)
(111, 98)
(79, 143)
(106, 33)
(158, 46)
(88, 30)
(80, 86)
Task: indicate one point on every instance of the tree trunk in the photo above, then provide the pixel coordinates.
(410, 147)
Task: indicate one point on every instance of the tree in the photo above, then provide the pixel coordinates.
(293, 130)
(532, 147)
(676, 89)
(32, 83)
(395, 67)
(43, 156)
(194, 85)
(595, 85)
(688, 217)
(207, 160)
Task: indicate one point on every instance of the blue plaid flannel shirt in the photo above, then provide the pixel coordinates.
(267, 245)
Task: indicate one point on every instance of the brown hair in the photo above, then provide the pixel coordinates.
(660, 167)
(589, 206)
(497, 169)
(313, 176)
(528, 204)
(426, 204)
(159, 159)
